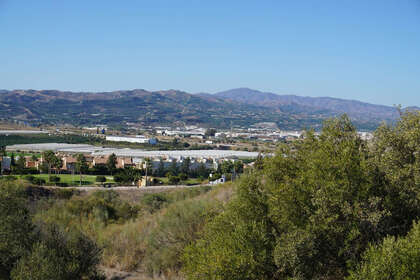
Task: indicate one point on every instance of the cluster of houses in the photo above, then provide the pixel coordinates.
(69, 162)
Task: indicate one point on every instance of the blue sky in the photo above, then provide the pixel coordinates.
(353, 49)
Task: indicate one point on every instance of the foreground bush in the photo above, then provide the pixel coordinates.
(178, 226)
(395, 258)
(16, 228)
(44, 251)
(311, 211)
(59, 255)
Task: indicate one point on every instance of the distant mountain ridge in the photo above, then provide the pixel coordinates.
(238, 107)
(331, 106)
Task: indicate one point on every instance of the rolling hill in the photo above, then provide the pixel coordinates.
(237, 107)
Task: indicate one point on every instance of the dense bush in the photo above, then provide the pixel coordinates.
(59, 255)
(40, 252)
(100, 179)
(312, 210)
(16, 228)
(395, 258)
(179, 225)
(54, 179)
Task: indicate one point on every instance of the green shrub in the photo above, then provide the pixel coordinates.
(16, 228)
(100, 179)
(395, 258)
(38, 181)
(178, 226)
(59, 255)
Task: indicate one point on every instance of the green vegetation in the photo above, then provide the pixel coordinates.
(68, 179)
(40, 251)
(311, 211)
(330, 206)
(6, 140)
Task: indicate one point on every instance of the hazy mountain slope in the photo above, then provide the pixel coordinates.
(161, 107)
(329, 106)
(239, 107)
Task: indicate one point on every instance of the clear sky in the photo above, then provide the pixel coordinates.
(367, 50)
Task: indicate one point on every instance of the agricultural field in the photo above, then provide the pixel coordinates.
(70, 179)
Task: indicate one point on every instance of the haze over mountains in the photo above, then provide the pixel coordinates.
(236, 107)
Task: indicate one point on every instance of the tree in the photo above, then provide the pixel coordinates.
(50, 160)
(183, 176)
(311, 211)
(100, 179)
(111, 163)
(226, 167)
(55, 179)
(202, 171)
(210, 132)
(259, 162)
(57, 164)
(60, 255)
(173, 169)
(3, 150)
(394, 258)
(20, 165)
(12, 160)
(185, 166)
(160, 171)
(16, 228)
(81, 165)
(173, 180)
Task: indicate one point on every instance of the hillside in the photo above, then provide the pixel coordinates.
(358, 111)
(238, 107)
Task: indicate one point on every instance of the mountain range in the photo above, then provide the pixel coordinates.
(237, 107)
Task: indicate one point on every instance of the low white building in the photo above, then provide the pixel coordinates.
(138, 139)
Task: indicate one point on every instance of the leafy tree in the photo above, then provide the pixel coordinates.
(238, 167)
(202, 171)
(128, 175)
(3, 150)
(183, 177)
(394, 258)
(12, 160)
(259, 162)
(185, 166)
(55, 179)
(19, 167)
(310, 211)
(57, 163)
(173, 180)
(210, 132)
(237, 244)
(173, 169)
(81, 166)
(160, 171)
(111, 163)
(168, 239)
(16, 228)
(226, 167)
(100, 179)
(60, 255)
(50, 159)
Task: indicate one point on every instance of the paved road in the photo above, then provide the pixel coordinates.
(133, 188)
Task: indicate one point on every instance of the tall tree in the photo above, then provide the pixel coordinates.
(173, 169)
(57, 164)
(20, 165)
(111, 163)
(160, 172)
(185, 166)
(81, 166)
(50, 159)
